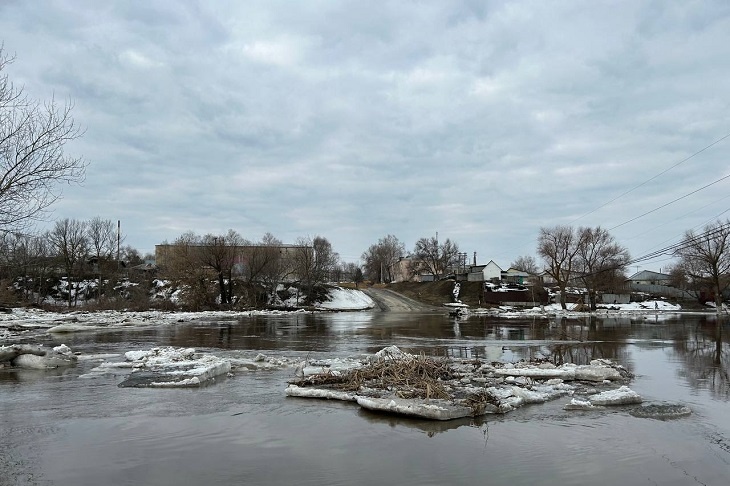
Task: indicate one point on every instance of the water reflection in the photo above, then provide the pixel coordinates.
(704, 352)
(699, 342)
(242, 429)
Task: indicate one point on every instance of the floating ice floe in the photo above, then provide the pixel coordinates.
(308, 392)
(177, 367)
(37, 357)
(598, 370)
(395, 382)
(433, 409)
(621, 396)
(173, 367)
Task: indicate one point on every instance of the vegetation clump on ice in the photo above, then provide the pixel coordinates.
(443, 389)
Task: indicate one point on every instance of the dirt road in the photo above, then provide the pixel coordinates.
(387, 300)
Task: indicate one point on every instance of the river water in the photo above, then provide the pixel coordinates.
(59, 429)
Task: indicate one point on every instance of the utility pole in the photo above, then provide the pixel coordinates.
(119, 240)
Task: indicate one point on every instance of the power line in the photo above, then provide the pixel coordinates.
(652, 178)
(715, 218)
(684, 243)
(670, 202)
(666, 251)
(682, 216)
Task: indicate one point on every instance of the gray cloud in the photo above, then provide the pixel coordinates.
(480, 120)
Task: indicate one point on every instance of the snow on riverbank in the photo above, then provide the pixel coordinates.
(30, 321)
(347, 299)
(572, 310)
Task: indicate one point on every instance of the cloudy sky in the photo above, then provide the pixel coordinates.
(480, 120)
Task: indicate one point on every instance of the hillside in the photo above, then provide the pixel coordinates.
(439, 293)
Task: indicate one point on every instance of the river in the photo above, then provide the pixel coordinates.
(62, 430)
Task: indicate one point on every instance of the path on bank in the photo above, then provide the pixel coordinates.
(388, 300)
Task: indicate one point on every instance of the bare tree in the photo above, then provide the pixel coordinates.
(131, 256)
(557, 246)
(219, 252)
(705, 258)
(379, 259)
(600, 260)
(16, 259)
(350, 272)
(183, 266)
(275, 263)
(434, 257)
(262, 258)
(314, 259)
(42, 255)
(527, 264)
(358, 277)
(69, 240)
(102, 236)
(32, 160)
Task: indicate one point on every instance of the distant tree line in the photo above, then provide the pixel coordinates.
(73, 250)
(250, 272)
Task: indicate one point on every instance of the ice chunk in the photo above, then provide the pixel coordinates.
(390, 352)
(307, 392)
(576, 404)
(173, 367)
(620, 396)
(430, 409)
(596, 373)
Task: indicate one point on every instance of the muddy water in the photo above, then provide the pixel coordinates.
(59, 429)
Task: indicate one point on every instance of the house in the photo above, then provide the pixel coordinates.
(647, 277)
(656, 283)
(491, 272)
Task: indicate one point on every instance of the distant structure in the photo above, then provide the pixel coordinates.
(243, 253)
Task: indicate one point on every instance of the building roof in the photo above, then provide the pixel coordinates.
(495, 264)
(517, 273)
(649, 275)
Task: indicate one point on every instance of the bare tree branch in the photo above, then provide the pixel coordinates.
(33, 164)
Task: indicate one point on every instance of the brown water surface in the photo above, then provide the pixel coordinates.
(59, 429)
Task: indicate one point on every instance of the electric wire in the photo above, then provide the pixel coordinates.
(652, 178)
(669, 203)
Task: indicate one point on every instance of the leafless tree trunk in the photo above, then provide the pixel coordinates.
(32, 160)
(268, 263)
(380, 258)
(314, 259)
(558, 246)
(103, 244)
(42, 262)
(705, 258)
(183, 266)
(526, 263)
(436, 257)
(68, 238)
(599, 259)
(219, 253)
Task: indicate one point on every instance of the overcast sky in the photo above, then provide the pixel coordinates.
(479, 120)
